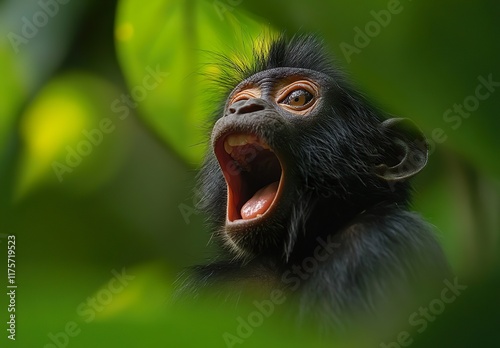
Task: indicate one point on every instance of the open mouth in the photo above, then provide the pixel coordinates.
(253, 175)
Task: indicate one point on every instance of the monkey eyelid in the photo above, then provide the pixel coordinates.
(245, 94)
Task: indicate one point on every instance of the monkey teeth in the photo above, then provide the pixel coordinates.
(228, 147)
(240, 139)
(235, 140)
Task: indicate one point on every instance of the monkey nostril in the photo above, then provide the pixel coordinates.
(249, 108)
(253, 107)
(246, 106)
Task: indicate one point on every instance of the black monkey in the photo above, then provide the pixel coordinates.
(306, 187)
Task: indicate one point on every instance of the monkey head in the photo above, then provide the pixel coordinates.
(295, 145)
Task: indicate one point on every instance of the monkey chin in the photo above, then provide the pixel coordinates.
(254, 175)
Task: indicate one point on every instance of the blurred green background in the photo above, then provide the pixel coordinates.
(102, 111)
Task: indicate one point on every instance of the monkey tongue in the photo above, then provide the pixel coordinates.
(260, 202)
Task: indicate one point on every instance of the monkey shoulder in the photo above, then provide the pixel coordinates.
(383, 244)
(384, 259)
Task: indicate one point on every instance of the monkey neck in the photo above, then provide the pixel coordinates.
(330, 216)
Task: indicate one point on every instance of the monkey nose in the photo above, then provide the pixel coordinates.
(247, 106)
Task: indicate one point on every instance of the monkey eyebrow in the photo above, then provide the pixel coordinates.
(268, 82)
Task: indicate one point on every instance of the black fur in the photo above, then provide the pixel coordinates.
(375, 249)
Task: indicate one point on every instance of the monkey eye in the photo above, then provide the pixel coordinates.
(297, 98)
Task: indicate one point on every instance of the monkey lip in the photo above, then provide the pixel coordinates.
(253, 174)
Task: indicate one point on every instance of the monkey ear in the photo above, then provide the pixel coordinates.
(410, 150)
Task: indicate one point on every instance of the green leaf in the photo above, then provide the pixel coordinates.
(66, 134)
(163, 48)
